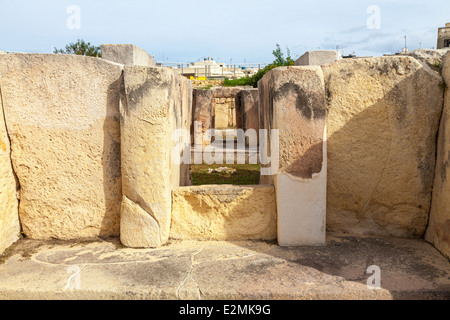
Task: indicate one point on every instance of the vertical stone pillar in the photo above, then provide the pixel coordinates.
(249, 99)
(202, 111)
(151, 109)
(438, 231)
(292, 100)
(9, 205)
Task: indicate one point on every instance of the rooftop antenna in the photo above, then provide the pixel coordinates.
(405, 49)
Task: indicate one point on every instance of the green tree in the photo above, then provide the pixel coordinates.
(81, 48)
(279, 61)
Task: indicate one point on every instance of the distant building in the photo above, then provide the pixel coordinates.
(208, 68)
(444, 37)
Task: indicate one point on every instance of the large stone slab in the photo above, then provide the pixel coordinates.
(9, 204)
(438, 231)
(292, 100)
(127, 54)
(62, 114)
(155, 103)
(317, 58)
(383, 116)
(228, 213)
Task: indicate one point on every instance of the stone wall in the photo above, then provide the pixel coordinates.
(155, 102)
(383, 116)
(438, 232)
(224, 213)
(9, 204)
(62, 115)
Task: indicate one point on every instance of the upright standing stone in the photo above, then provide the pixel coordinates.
(9, 205)
(155, 103)
(62, 114)
(438, 232)
(383, 117)
(202, 112)
(292, 100)
(250, 110)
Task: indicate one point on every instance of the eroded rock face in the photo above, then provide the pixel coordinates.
(224, 213)
(9, 205)
(438, 231)
(383, 116)
(155, 102)
(62, 113)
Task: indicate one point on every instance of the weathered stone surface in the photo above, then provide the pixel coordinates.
(62, 114)
(438, 231)
(156, 102)
(202, 112)
(218, 270)
(127, 54)
(224, 213)
(292, 100)
(317, 58)
(383, 115)
(250, 107)
(9, 204)
(429, 57)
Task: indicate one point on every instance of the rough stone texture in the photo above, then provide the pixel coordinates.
(383, 116)
(9, 204)
(156, 102)
(202, 112)
(317, 58)
(222, 212)
(127, 54)
(244, 270)
(250, 107)
(429, 57)
(438, 231)
(62, 114)
(292, 100)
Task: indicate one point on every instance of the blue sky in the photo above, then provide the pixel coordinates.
(186, 31)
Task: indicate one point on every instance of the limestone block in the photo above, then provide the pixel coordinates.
(127, 54)
(9, 204)
(62, 114)
(383, 116)
(224, 213)
(317, 58)
(292, 100)
(438, 231)
(250, 108)
(203, 111)
(153, 101)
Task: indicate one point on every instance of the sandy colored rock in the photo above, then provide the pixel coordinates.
(383, 116)
(292, 101)
(62, 114)
(224, 213)
(9, 204)
(202, 112)
(155, 102)
(127, 54)
(429, 57)
(250, 108)
(438, 232)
